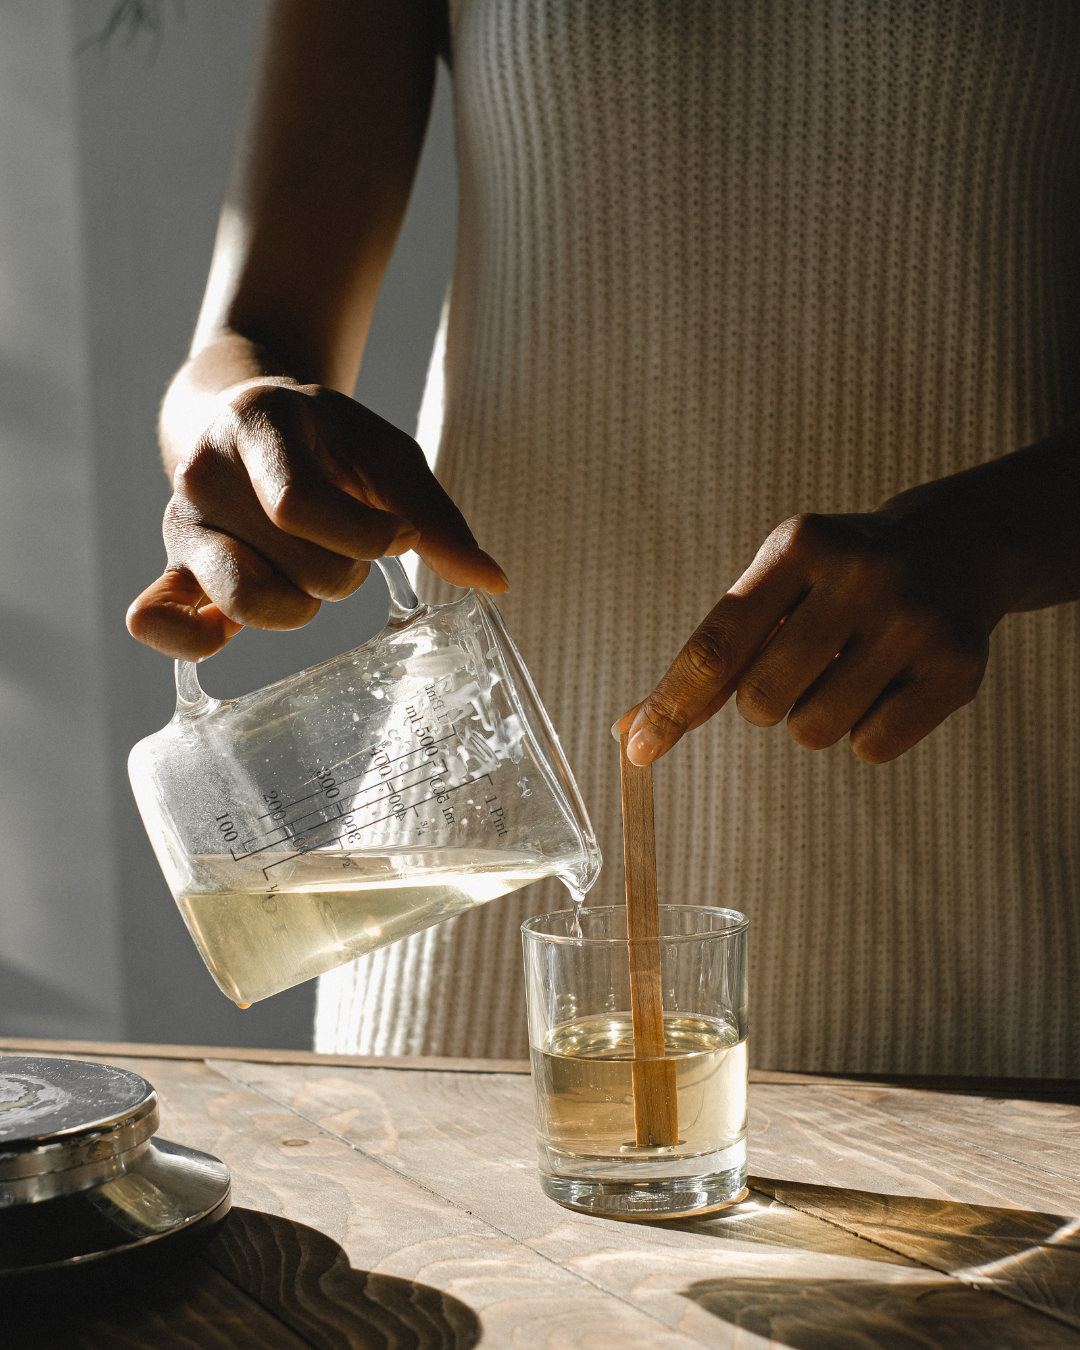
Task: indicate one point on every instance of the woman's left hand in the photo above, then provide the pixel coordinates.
(877, 625)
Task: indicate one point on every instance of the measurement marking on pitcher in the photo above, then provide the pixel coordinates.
(280, 809)
(338, 803)
(351, 833)
(324, 820)
(291, 828)
(370, 749)
(389, 786)
(321, 818)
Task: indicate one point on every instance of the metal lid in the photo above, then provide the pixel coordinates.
(82, 1179)
(67, 1124)
(45, 1099)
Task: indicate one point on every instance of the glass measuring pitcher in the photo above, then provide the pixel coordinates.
(361, 800)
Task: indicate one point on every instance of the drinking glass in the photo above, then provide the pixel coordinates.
(577, 977)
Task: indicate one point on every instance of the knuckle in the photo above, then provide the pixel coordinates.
(810, 729)
(177, 524)
(663, 716)
(707, 655)
(799, 539)
(963, 674)
(802, 533)
(232, 592)
(289, 509)
(200, 469)
(257, 604)
(268, 421)
(260, 402)
(175, 514)
(759, 702)
(340, 578)
(780, 543)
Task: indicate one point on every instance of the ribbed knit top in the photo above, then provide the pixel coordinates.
(721, 261)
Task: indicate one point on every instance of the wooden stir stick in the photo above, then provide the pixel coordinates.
(656, 1112)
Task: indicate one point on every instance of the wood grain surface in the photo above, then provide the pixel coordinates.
(305, 1279)
(1032, 1258)
(1001, 1090)
(21, 1045)
(394, 1207)
(821, 1133)
(483, 1157)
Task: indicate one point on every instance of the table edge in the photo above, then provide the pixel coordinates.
(1041, 1089)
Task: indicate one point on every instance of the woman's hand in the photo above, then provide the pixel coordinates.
(283, 487)
(281, 504)
(878, 625)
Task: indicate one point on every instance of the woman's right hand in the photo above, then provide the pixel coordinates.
(284, 488)
(282, 503)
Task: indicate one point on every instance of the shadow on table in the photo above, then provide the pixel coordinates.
(858, 1315)
(965, 1251)
(305, 1279)
(264, 1283)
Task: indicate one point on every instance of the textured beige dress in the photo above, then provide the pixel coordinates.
(721, 261)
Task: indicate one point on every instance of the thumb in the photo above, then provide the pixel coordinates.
(174, 617)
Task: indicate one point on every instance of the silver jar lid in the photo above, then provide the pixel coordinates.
(81, 1173)
(67, 1125)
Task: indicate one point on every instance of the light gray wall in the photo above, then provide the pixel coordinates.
(60, 961)
(118, 158)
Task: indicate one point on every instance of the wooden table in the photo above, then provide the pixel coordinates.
(395, 1203)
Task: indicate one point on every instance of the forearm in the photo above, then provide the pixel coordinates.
(1020, 515)
(333, 133)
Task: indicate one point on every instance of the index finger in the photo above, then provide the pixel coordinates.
(446, 544)
(398, 481)
(706, 671)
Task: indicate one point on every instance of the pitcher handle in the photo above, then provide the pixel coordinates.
(192, 698)
(404, 602)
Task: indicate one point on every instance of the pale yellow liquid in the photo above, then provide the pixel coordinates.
(585, 1096)
(257, 942)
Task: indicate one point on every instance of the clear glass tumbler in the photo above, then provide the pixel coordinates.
(577, 976)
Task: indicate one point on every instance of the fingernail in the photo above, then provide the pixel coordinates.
(505, 578)
(643, 747)
(616, 731)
